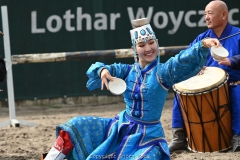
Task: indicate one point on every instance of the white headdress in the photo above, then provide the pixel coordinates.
(141, 32)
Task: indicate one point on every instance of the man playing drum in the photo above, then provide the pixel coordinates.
(216, 16)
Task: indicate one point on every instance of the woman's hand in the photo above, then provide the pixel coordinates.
(105, 76)
(209, 42)
(202, 70)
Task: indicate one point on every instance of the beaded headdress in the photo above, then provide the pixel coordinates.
(141, 32)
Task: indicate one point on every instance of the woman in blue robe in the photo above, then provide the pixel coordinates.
(136, 132)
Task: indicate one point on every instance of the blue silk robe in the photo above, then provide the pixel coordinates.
(136, 132)
(232, 44)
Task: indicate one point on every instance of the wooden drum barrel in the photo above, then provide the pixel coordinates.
(205, 106)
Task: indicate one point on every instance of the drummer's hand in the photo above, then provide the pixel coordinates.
(209, 42)
(202, 70)
(225, 62)
(105, 76)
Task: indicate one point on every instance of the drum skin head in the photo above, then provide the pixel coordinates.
(212, 77)
(117, 86)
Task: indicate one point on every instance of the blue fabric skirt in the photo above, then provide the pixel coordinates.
(119, 138)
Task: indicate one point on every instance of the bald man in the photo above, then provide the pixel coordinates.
(216, 17)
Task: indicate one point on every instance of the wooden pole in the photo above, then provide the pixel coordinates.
(67, 56)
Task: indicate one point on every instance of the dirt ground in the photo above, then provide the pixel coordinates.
(28, 143)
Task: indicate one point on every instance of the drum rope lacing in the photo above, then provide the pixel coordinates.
(217, 120)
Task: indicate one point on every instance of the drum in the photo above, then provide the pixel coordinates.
(205, 106)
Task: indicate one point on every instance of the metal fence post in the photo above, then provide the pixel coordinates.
(11, 100)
